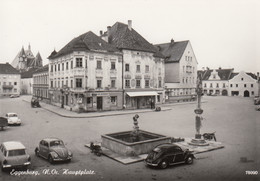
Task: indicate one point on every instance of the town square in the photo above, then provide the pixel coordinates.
(129, 90)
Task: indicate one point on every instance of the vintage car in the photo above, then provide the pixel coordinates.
(3, 122)
(168, 154)
(257, 100)
(35, 102)
(53, 149)
(14, 95)
(258, 108)
(13, 155)
(13, 119)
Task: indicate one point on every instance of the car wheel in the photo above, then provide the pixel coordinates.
(50, 159)
(164, 164)
(36, 152)
(189, 160)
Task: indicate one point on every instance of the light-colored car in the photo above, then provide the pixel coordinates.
(13, 155)
(53, 149)
(14, 95)
(13, 119)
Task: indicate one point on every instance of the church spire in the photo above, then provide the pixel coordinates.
(29, 47)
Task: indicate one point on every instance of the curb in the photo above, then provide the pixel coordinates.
(96, 116)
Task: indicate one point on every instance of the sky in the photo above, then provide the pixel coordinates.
(223, 33)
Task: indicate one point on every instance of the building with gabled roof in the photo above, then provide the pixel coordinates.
(10, 80)
(215, 81)
(25, 60)
(86, 75)
(180, 70)
(143, 66)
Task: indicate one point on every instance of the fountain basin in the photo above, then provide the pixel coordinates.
(125, 144)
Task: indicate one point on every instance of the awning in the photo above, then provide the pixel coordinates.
(144, 93)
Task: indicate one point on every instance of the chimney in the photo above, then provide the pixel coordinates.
(130, 25)
(101, 32)
(172, 41)
(108, 34)
(258, 80)
(29, 47)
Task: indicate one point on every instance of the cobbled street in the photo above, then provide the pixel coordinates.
(235, 120)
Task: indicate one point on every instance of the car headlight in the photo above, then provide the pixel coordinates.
(70, 154)
(55, 155)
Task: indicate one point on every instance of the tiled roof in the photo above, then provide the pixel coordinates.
(8, 69)
(224, 74)
(124, 38)
(52, 54)
(252, 75)
(28, 74)
(87, 41)
(45, 68)
(172, 51)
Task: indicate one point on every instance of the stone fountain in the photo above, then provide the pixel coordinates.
(134, 142)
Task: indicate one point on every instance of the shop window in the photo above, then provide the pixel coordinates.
(113, 65)
(127, 67)
(89, 100)
(78, 83)
(138, 83)
(99, 84)
(113, 100)
(127, 83)
(147, 82)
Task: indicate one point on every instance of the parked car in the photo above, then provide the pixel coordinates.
(35, 102)
(53, 149)
(13, 119)
(258, 107)
(257, 100)
(168, 154)
(14, 95)
(3, 122)
(13, 155)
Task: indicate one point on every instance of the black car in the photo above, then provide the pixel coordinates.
(168, 154)
(35, 102)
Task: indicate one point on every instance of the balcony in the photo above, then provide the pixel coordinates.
(8, 86)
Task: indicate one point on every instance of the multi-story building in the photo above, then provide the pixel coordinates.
(86, 74)
(243, 84)
(216, 81)
(25, 60)
(10, 80)
(27, 81)
(143, 66)
(41, 83)
(180, 71)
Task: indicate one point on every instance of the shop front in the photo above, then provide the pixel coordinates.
(141, 100)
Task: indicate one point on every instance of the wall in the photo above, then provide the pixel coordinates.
(10, 79)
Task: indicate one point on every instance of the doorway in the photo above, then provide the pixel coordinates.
(99, 103)
(246, 94)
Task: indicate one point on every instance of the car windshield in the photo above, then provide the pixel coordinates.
(12, 115)
(56, 143)
(16, 152)
(154, 154)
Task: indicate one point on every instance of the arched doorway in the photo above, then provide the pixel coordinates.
(224, 92)
(246, 94)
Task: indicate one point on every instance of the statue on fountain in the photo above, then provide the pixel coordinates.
(135, 133)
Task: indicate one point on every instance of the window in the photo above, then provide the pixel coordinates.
(113, 83)
(113, 99)
(58, 67)
(158, 98)
(127, 67)
(99, 83)
(147, 83)
(231, 85)
(252, 93)
(62, 66)
(127, 83)
(236, 85)
(99, 64)
(244, 85)
(89, 100)
(71, 64)
(205, 85)
(67, 65)
(51, 68)
(71, 83)
(224, 85)
(51, 83)
(160, 83)
(217, 85)
(78, 83)
(113, 65)
(147, 68)
(78, 62)
(138, 83)
(138, 68)
(214, 76)
(242, 79)
(252, 85)
(211, 85)
(15, 83)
